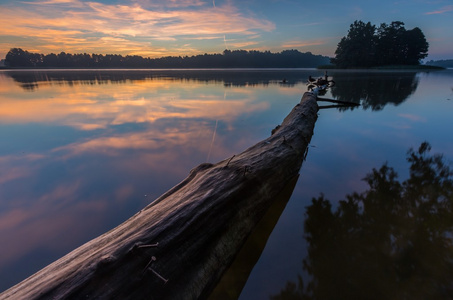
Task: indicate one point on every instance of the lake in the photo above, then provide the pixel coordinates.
(83, 150)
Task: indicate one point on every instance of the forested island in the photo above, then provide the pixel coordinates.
(19, 58)
(369, 46)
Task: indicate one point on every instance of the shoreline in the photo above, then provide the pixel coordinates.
(391, 68)
(325, 67)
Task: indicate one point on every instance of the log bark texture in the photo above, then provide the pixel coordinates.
(199, 225)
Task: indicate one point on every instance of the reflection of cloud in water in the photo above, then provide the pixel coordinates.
(18, 166)
(82, 157)
(414, 118)
(55, 214)
(406, 122)
(93, 107)
(170, 136)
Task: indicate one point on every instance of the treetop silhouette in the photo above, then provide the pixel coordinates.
(369, 46)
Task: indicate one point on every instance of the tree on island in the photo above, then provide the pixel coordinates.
(369, 46)
(18, 58)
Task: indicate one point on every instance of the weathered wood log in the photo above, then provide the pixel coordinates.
(179, 245)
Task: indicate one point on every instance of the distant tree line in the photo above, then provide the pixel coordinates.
(369, 46)
(445, 63)
(19, 58)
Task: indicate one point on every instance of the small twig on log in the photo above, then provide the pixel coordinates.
(148, 267)
(148, 246)
(153, 258)
(230, 160)
(158, 275)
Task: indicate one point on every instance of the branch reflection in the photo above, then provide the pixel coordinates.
(393, 241)
(374, 90)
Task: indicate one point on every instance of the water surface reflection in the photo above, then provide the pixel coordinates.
(392, 241)
(374, 90)
(33, 79)
(81, 151)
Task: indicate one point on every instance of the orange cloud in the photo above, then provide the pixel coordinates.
(68, 25)
(443, 10)
(242, 44)
(301, 44)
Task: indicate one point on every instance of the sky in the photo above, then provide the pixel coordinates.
(156, 28)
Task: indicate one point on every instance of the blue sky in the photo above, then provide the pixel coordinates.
(154, 28)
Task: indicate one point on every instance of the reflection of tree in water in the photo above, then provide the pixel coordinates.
(394, 241)
(30, 80)
(375, 89)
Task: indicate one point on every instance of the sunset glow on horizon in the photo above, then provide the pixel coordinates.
(156, 28)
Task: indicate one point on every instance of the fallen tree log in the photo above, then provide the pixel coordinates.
(235, 277)
(179, 245)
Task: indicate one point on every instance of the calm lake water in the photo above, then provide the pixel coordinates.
(82, 151)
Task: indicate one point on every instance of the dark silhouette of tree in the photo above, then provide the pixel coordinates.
(19, 58)
(50, 60)
(368, 46)
(357, 49)
(394, 241)
(417, 46)
(391, 44)
(396, 45)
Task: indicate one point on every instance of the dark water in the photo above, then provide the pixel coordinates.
(82, 151)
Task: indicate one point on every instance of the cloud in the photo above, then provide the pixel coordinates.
(301, 44)
(72, 24)
(170, 3)
(52, 2)
(244, 44)
(443, 10)
(356, 12)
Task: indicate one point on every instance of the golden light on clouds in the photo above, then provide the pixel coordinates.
(156, 28)
(76, 26)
